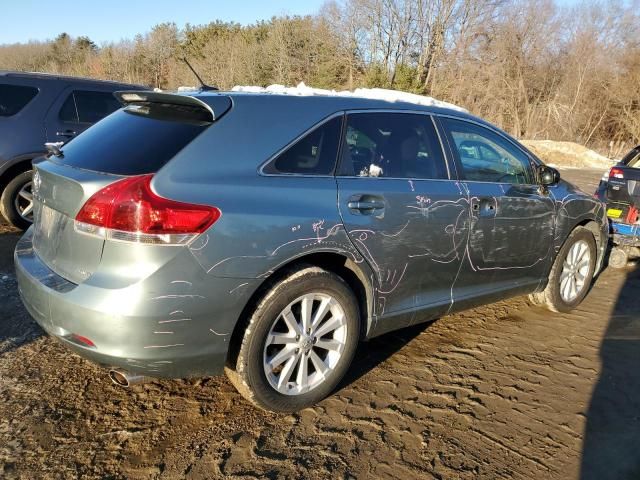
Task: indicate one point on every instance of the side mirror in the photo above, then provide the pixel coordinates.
(548, 176)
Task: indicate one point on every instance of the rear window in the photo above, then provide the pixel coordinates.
(135, 140)
(14, 98)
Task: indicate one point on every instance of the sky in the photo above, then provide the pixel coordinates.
(112, 20)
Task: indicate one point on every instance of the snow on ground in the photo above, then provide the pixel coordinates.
(372, 93)
(567, 154)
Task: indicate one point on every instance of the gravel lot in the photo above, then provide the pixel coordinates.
(507, 390)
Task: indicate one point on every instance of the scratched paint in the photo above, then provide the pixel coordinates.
(425, 250)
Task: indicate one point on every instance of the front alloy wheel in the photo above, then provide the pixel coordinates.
(571, 274)
(575, 270)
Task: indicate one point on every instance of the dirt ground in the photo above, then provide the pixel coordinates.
(503, 391)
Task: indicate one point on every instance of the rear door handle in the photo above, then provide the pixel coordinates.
(366, 205)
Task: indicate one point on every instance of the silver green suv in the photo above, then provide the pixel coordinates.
(265, 235)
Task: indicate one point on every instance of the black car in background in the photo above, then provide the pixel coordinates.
(36, 108)
(620, 189)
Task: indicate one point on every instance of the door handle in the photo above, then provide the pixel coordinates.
(366, 204)
(484, 207)
(67, 133)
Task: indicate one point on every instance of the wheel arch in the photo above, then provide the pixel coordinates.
(602, 240)
(594, 228)
(337, 263)
(591, 224)
(16, 167)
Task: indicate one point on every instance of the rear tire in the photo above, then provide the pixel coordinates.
(12, 204)
(571, 275)
(289, 360)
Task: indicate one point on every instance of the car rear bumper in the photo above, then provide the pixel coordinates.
(626, 234)
(180, 331)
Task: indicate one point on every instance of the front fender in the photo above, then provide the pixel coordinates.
(575, 208)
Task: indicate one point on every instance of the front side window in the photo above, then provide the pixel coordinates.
(392, 145)
(14, 98)
(83, 106)
(485, 156)
(313, 154)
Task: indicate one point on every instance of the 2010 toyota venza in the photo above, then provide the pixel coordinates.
(267, 234)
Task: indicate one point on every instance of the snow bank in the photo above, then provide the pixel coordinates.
(372, 93)
(567, 154)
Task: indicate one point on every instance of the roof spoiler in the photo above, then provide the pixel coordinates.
(132, 97)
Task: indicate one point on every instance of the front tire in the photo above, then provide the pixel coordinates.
(299, 342)
(16, 202)
(572, 272)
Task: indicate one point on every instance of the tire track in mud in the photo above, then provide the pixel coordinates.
(498, 391)
(501, 390)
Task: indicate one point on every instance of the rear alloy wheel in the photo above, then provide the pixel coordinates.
(299, 342)
(305, 343)
(571, 274)
(16, 202)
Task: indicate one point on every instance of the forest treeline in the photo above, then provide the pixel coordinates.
(535, 68)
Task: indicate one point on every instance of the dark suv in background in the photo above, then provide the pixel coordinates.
(36, 108)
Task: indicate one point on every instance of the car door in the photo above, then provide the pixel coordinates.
(75, 110)
(510, 245)
(404, 212)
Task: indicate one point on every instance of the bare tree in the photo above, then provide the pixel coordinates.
(534, 67)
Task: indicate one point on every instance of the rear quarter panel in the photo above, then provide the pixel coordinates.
(267, 221)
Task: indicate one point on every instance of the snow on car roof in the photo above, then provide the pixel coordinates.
(369, 93)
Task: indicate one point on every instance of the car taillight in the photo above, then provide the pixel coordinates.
(128, 210)
(616, 173)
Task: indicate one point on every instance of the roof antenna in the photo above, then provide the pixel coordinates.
(203, 86)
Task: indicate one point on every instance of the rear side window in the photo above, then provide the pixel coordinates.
(133, 141)
(313, 154)
(82, 106)
(392, 145)
(68, 112)
(14, 98)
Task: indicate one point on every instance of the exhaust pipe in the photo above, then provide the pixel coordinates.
(122, 378)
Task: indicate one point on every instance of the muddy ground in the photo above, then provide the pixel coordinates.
(503, 391)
